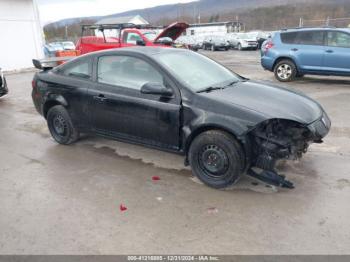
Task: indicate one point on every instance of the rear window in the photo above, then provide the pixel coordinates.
(303, 38)
(288, 38)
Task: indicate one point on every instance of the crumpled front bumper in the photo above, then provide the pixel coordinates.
(321, 127)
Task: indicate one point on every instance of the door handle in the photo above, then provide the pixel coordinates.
(100, 98)
(294, 49)
(329, 51)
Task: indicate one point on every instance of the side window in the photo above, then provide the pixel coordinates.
(126, 71)
(288, 38)
(79, 70)
(132, 38)
(338, 39)
(310, 38)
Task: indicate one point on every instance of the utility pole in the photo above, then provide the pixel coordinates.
(178, 11)
(66, 32)
(301, 22)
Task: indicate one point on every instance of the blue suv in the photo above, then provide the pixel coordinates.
(293, 53)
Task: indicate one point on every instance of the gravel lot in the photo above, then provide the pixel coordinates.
(65, 199)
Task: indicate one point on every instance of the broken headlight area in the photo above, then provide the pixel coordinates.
(279, 139)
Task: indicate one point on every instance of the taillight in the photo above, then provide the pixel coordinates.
(34, 84)
(268, 46)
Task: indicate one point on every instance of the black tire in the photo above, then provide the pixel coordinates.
(285, 70)
(61, 126)
(216, 158)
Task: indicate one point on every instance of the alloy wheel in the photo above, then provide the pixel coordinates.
(284, 71)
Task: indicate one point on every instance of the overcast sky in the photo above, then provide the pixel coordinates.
(53, 10)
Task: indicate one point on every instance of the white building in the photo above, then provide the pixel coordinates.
(21, 34)
(215, 28)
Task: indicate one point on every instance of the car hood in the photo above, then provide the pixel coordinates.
(270, 101)
(173, 31)
(249, 39)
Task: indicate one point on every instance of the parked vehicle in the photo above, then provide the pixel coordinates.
(51, 49)
(68, 45)
(129, 35)
(192, 42)
(3, 85)
(215, 43)
(293, 53)
(183, 102)
(243, 41)
(260, 37)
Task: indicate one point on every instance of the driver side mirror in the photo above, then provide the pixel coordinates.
(140, 42)
(156, 89)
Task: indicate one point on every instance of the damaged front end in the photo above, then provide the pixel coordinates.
(277, 139)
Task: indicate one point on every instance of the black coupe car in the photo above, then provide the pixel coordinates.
(3, 85)
(180, 101)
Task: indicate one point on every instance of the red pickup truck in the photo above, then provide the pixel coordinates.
(128, 35)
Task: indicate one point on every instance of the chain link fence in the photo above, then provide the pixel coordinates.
(334, 22)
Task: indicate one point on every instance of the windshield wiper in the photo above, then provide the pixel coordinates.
(210, 88)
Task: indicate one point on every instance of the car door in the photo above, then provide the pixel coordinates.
(337, 52)
(119, 109)
(308, 50)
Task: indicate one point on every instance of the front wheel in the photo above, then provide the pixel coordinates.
(216, 158)
(285, 71)
(61, 126)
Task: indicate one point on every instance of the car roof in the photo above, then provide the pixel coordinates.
(143, 50)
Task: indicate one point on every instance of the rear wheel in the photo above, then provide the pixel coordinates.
(61, 126)
(216, 158)
(285, 71)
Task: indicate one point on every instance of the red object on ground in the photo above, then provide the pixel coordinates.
(122, 207)
(155, 178)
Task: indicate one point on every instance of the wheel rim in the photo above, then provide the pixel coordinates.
(60, 126)
(213, 161)
(284, 71)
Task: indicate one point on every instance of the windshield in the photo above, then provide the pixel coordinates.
(150, 35)
(196, 71)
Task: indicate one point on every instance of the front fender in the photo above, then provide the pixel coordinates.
(201, 120)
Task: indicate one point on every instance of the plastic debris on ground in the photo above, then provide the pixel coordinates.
(122, 208)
